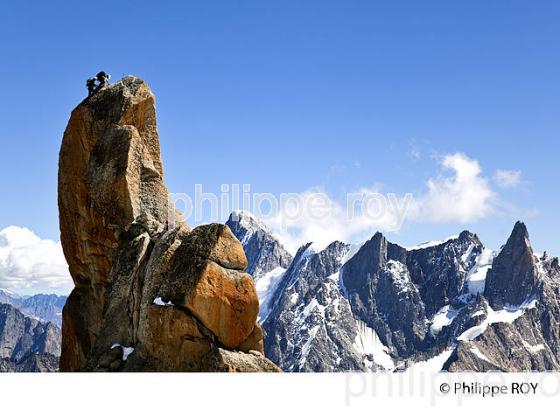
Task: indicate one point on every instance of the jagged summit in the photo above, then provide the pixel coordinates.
(125, 257)
(247, 220)
(520, 230)
(468, 235)
(514, 273)
(264, 252)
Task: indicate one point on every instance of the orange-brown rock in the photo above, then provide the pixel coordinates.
(173, 338)
(149, 295)
(225, 302)
(213, 287)
(254, 341)
(110, 172)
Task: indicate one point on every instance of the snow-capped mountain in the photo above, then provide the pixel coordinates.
(46, 308)
(378, 306)
(267, 258)
(311, 326)
(264, 252)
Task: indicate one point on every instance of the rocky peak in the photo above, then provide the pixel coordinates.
(514, 273)
(520, 232)
(110, 172)
(371, 257)
(313, 265)
(440, 270)
(382, 295)
(310, 326)
(247, 221)
(467, 236)
(21, 335)
(150, 295)
(264, 252)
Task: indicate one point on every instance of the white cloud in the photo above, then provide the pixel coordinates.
(507, 178)
(464, 196)
(301, 220)
(29, 264)
(461, 195)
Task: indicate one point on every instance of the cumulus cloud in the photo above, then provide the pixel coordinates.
(463, 196)
(507, 178)
(29, 264)
(314, 216)
(459, 194)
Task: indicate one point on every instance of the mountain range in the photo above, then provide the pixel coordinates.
(47, 308)
(450, 305)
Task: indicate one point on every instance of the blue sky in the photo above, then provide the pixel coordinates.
(288, 96)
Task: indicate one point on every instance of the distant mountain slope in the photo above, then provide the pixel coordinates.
(30, 335)
(21, 335)
(311, 328)
(47, 308)
(267, 258)
(9, 297)
(264, 252)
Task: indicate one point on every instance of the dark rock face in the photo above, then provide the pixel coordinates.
(528, 342)
(264, 252)
(21, 335)
(382, 295)
(397, 291)
(440, 271)
(514, 273)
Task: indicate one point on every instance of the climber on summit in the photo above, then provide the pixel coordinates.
(90, 84)
(103, 79)
(100, 80)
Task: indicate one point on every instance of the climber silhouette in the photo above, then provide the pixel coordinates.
(90, 84)
(100, 80)
(103, 79)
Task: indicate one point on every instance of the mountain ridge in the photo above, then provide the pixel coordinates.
(409, 305)
(42, 306)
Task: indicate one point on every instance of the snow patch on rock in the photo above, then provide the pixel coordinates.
(127, 351)
(476, 278)
(444, 317)
(431, 244)
(476, 351)
(266, 286)
(159, 302)
(506, 315)
(531, 348)
(433, 365)
(367, 343)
